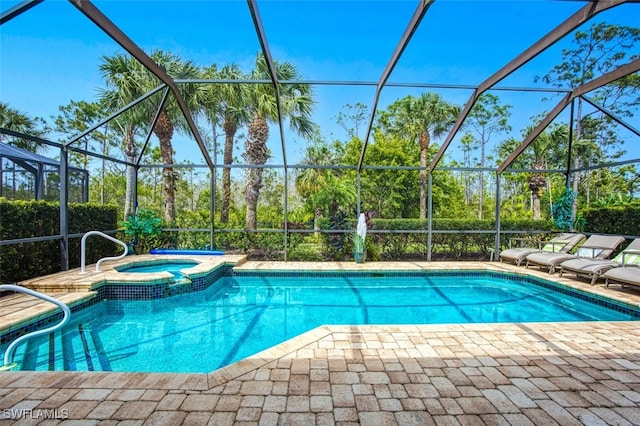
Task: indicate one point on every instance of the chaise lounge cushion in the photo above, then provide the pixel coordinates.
(561, 243)
(594, 268)
(623, 274)
(596, 246)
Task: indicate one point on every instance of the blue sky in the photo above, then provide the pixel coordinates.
(50, 54)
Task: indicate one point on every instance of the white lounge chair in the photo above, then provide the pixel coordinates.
(595, 247)
(562, 243)
(594, 268)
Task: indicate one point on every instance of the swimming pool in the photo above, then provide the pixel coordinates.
(238, 316)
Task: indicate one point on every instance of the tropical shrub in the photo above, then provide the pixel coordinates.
(144, 230)
(26, 219)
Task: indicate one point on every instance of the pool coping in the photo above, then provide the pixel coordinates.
(240, 264)
(506, 373)
(260, 359)
(74, 281)
(77, 289)
(527, 373)
(36, 311)
(308, 341)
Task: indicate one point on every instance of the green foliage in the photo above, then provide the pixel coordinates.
(335, 243)
(448, 197)
(391, 193)
(108, 189)
(13, 119)
(373, 251)
(39, 218)
(562, 210)
(615, 220)
(263, 245)
(473, 241)
(315, 185)
(613, 200)
(143, 229)
(306, 253)
(451, 238)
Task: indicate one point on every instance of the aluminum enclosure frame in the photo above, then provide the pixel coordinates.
(587, 12)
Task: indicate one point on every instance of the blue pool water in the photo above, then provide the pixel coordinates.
(159, 266)
(240, 316)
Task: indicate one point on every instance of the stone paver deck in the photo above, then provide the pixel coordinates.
(519, 374)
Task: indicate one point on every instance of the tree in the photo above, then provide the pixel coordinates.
(546, 151)
(351, 118)
(225, 105)
(420, 120)
(311, 181)
(122, 75)
(336, 194)
(127, 80)
(467, 144)
(78, 116)
(13, 119)
(601, 49)
(170, 118)
(390, 193)
(486, 119)
(296, 104)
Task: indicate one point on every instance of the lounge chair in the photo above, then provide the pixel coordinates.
(595, 247)
(594, 268)
(623, 275)
(562, 243)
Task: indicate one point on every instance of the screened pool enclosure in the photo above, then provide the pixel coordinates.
(28, 175)
(288, 119)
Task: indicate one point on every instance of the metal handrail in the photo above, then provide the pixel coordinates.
(108, 237)
(8, 355)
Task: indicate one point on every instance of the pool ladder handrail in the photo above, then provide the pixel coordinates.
(8, 355)
(108, 237)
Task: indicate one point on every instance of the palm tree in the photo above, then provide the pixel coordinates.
(169, 119)
(12, 119)
(338, 191)
(225, 104)
(296, 105)
(311, 182)
(122, 74)
(547, 150)
(420, 120)
(129, 80)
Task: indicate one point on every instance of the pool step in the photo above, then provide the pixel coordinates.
(79, 349)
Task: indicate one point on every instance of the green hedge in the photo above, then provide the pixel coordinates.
(615, 220)
(263, 245)
(451, 238)
(268, 245)
(25, 219)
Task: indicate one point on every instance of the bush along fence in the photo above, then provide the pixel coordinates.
(451, 239)
(28, 219)
(387, 239)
